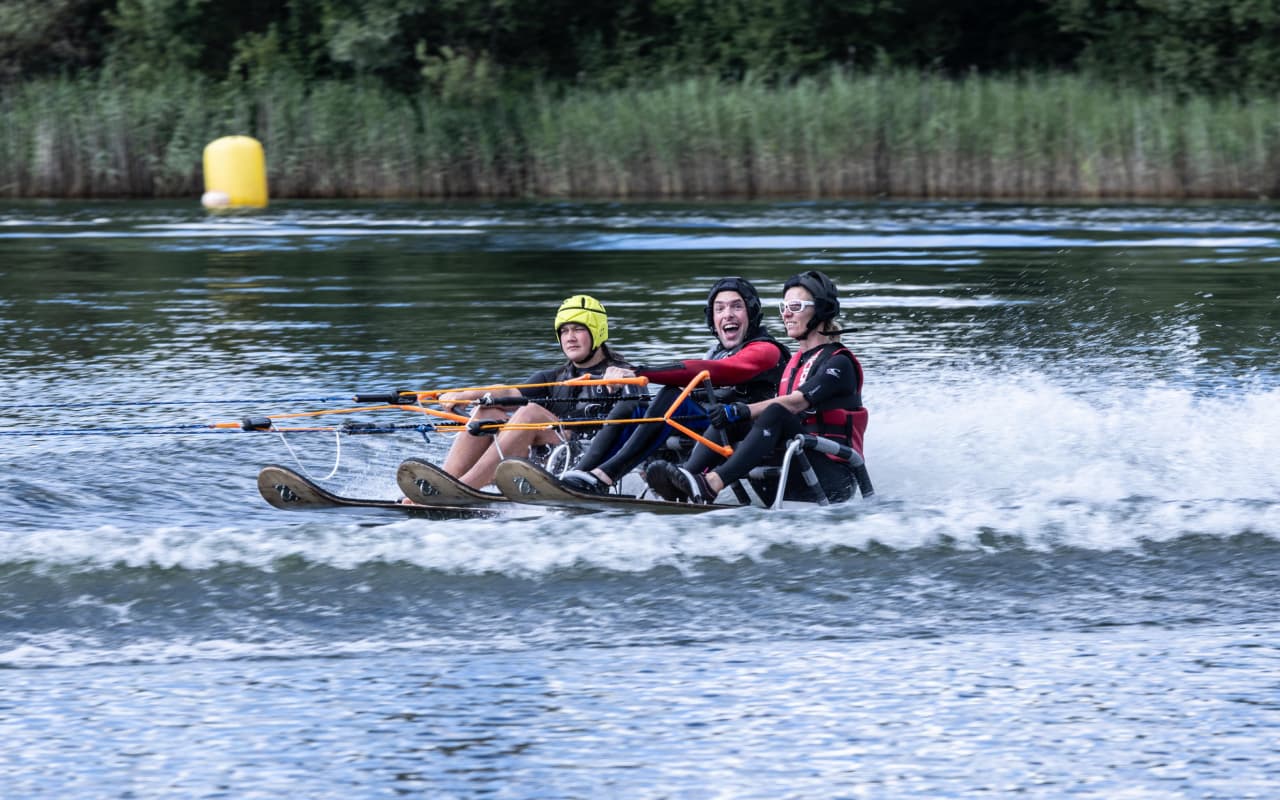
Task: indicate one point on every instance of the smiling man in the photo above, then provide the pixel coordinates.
(745, 364)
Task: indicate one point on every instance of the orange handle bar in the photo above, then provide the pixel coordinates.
(584, 381)
(722, 449)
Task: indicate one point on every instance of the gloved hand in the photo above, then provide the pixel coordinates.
(724, 415)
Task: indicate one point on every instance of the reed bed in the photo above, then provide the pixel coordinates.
(886, 134)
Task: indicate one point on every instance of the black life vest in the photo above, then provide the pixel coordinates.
(763, 386)
(583, 402)
(842, 419)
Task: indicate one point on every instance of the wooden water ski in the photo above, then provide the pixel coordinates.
(525, 482)
(285, 489)
(425, 483)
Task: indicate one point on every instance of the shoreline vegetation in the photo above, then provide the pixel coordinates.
(889, 133)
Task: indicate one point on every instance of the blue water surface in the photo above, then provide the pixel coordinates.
(1068, 587)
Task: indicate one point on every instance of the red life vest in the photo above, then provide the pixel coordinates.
(842, 419)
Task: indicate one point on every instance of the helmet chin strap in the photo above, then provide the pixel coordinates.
(813, 326)
(587, 361)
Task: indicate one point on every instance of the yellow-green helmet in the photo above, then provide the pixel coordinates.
(588, 312)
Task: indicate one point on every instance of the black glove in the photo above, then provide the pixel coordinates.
(722, 416)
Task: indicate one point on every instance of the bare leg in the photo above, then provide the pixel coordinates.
(512, 443)
(466, 449)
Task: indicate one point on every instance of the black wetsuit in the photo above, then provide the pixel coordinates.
(578, 402)
(756, 365)
(834, 385)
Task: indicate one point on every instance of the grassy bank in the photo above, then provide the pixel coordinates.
(892, 134)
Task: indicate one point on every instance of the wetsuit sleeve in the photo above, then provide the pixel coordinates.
(541, 376)
(837, 379)
(742, 366)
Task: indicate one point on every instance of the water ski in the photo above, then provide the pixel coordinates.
(523, 481)
(425, 483)
(285, 489)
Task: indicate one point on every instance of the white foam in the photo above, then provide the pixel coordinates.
(1054, 463)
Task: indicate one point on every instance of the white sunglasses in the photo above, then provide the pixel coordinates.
(794, 306)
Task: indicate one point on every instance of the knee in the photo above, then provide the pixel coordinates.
(624, 410)
(663, 400)
(773, 416)
(531, 413)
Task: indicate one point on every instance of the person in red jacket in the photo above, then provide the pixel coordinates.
(820, 393)
(745, 365)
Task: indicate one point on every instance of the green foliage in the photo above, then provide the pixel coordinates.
(646, 97)
(458, 75)
(366, 37)
(153, 39)
(1189, 46)
(477, 48)
(258, 56)
(733, 38)
(98, 137)
(892, 132)
(48, 36)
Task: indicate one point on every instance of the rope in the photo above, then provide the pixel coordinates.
(337, 457)
(109, 431)
(420, 395)
(352, 429)
(159, 430)
(498, 425)
(423, 394)
(188, 402)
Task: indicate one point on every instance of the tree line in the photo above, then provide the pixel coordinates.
(646, 98)
(474, 49)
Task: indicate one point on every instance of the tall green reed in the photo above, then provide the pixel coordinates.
(887, 133)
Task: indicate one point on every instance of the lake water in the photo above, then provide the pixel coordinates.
(1069, 586)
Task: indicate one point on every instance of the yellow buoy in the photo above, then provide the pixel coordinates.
(235, 173)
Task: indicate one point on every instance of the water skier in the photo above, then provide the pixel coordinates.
(745, 365)
(582, 327)
(820, 392)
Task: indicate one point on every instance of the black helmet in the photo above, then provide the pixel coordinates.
(755, 314)
(826, 302)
